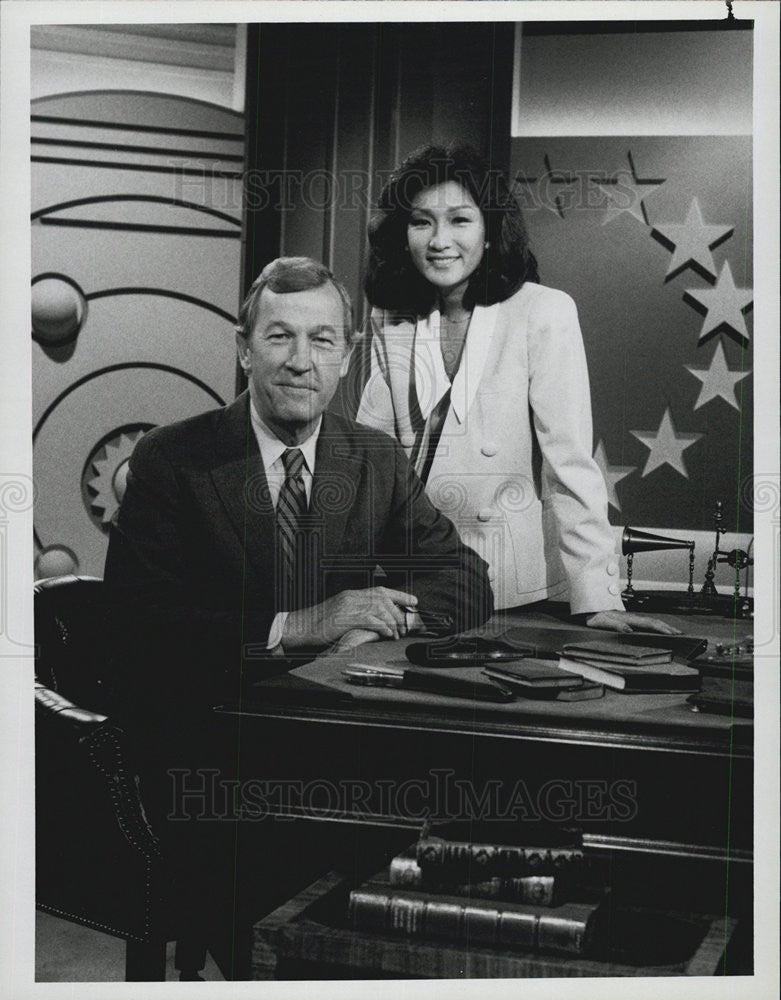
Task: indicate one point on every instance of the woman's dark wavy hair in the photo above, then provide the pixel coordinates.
(392, 280)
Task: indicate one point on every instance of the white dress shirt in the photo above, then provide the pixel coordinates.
(271, 452)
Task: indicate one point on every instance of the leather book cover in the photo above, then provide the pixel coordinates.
(548, 642)
(482, 860)
(616, 652)
(571, 928)
(658, 679)
(531, 672)
(405, 872)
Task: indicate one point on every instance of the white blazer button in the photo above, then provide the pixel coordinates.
(485, 514)
(614, 588)
(407, 440)
(489, 449)
(612, 568)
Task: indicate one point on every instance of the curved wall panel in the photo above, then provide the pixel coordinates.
(108, 406)
(136, 213)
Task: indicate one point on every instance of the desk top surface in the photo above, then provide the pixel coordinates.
(658, 721)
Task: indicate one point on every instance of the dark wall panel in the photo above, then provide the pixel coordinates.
(354, 100)
(332, 109)
(614, 222)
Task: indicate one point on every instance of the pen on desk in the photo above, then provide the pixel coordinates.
(358, 673)
(425, 680)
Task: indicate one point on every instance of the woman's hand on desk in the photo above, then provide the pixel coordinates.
(626, 621)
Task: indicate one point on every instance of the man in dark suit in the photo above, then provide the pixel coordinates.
(252, 534)
(201, 543)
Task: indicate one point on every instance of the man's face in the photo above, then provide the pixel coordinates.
(294, 357)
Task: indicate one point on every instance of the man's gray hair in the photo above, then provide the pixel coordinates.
(292, 274)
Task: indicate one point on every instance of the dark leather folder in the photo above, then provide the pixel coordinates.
(551, 640)
(541, 643)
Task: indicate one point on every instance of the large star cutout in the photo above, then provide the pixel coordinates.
(628, 193)
(612, 474)
(692, 243)
(666, 446)
(717, 380)
(723, 305)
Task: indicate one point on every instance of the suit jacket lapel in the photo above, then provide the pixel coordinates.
(333, 486)
(240, 481)
(431, 381)
(470, 371)
(464, 389)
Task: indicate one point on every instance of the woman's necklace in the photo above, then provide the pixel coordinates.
(452, 336)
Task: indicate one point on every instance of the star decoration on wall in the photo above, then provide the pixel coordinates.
(666, 446)
(723, 307)
(717, 380)
(553, 189)
(627, 193)
(612, 474)
(692, 243)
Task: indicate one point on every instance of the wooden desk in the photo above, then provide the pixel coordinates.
(666, 791)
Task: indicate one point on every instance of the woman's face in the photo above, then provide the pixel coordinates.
(446, 236)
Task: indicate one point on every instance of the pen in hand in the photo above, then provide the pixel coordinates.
(414, 622)
(425, 618)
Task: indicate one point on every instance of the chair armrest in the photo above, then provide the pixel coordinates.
(107, 752)
(53, 706)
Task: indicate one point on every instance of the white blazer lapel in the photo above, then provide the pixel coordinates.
(431, 381)
(470, 371)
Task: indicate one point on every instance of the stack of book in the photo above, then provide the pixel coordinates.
(544, 680)
(629, 668)
(525, 898)
(582, 670)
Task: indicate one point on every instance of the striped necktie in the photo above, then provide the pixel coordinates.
(291, 508)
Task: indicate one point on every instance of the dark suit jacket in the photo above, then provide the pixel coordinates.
(191, 554)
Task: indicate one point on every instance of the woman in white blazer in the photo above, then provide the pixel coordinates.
(480, 373)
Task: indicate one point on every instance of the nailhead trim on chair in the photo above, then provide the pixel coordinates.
(128, 809)
(77, 918)
(62, 628)
(125, 799)
(105, 745)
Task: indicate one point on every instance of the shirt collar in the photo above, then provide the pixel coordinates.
(271, 448)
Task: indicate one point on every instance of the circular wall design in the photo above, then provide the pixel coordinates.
(72, 433)
(105, 474)
(55, 560)
(58, 308)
